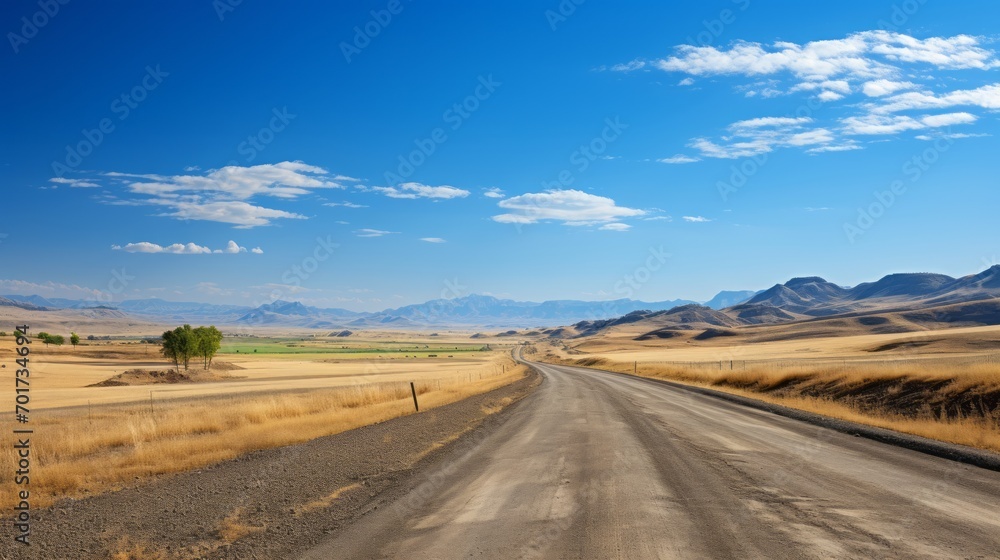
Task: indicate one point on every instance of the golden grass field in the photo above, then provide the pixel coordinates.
(942, 384)
(93, 439)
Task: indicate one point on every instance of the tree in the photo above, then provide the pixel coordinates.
(56, 339)
(74, 339)
(208, 341)
(44, 337)
(179, 345)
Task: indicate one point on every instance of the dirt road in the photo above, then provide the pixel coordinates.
(598, 465)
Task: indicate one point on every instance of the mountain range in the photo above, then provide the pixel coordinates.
(795, 300)
(895, 303)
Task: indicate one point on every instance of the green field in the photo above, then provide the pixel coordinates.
(348, 350)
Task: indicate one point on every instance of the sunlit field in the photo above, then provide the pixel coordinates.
(90, 439)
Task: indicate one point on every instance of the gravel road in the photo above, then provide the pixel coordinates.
(602, 466)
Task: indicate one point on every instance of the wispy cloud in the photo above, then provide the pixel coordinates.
(571, 207)
(225, 195)
(895, 73)
(493, 192)
(75, 183)
(417, 190)
(615, 226)
(433, 239)
(345, 204)
(679, 158)
(366, 232)
(696, 219)
(48, 289)
(867, 55)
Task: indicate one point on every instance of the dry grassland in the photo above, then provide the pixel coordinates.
(947, 392)
(80, 450)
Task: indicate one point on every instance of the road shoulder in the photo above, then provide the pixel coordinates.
(273, 503)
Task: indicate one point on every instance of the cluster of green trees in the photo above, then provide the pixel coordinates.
(58, 339)
(184, 343)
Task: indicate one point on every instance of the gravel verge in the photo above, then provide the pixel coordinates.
(273, 503)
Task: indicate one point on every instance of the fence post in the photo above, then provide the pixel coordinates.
(413, 389)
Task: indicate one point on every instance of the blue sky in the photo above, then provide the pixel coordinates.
(532, 150)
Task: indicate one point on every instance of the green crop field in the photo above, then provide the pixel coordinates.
(355, 349)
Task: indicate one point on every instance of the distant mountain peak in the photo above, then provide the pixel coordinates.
(801, 281)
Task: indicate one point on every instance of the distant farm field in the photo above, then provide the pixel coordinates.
(348, 350)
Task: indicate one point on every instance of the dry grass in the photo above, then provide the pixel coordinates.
(325, 501)
(948, 401)
(77, 452)
(234, 527)
(128, 549)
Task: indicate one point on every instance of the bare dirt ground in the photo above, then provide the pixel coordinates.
(268, 504)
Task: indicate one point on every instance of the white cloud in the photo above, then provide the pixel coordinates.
(345, 204)
(257, 251)
(829, 96)
(288, 179)
(679, 158)
(696, 219)
(843, 147)
(882, 65)
(629, 66)
(948, 119)
(659, 218)
(417, 190)
(866, 55)
(951, 136)
(882, 87)
(571, 207)
(75, 183)
(686, 82)
(493, 192)
(986, 97)
(366, 232)
(241, 214)
(615, 226)
(50, 289)
(746, 148)
(769, 122)
(893, 124)
(224, 195)
(433, 239)
(232, 248)
(810, 137)
(176, 248)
